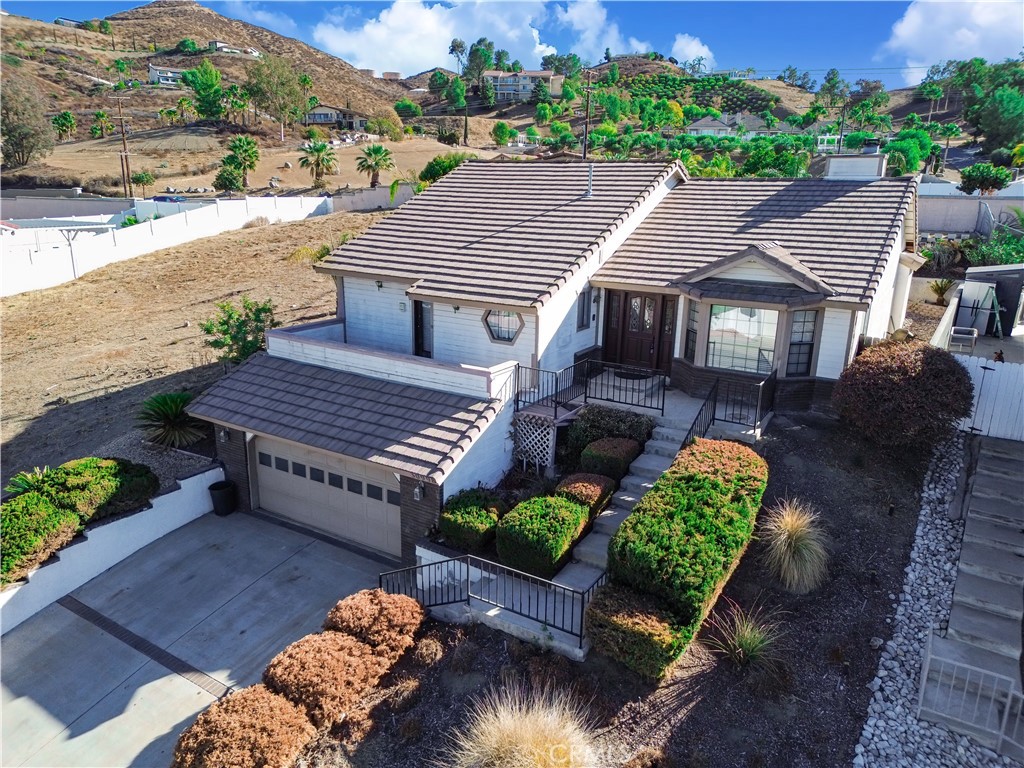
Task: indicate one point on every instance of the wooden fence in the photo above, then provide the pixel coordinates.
(998, 398)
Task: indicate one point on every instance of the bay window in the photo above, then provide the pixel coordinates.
(742, 338)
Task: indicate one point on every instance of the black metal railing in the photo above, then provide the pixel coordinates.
(468, 578)
(766, 397)
(553, 389)
(746, 402)
(705, 417)
(625, 384)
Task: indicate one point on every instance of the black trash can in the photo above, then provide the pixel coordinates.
(225, 499)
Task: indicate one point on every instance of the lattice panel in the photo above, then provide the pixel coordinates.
(534, 439)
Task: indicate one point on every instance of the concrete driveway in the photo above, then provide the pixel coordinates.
(111, 674)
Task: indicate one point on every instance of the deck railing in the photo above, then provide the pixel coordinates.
(745, 402)
(554, 389)
(625, 385)
(468, 578)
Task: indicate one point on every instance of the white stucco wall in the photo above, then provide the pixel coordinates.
(376, 318)
(835, 336)
(559, 339)
(461, 337)
(881, 312)
(488, 458)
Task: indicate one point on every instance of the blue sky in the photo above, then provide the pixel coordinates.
(890, 41)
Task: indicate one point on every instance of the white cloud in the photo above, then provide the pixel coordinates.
(255, 14)
(930, 32)
(687, 47)
(589, 20)
(411, 37)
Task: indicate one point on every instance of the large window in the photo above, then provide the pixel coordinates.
(801, 343)
(742, 338)
(690, 347)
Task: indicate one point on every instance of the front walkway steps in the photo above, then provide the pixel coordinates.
(983, 638)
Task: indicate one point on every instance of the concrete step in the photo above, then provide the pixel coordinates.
(996, 485)
(624, 499)
(952, 649)
(650, 466)
(669, 435)
(636, 485)
(995, 446)
(988, 595)
(609, 520)
(996, 534)
(667, 448)
(1010, 466)
(984, 629)
(578, 576)
(673, 423)
(530, 630)
(593, 549)
(997, 508)
(940, 705)
(991, 563)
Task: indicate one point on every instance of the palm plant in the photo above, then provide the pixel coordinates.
(374, 159)
(164, 421)
(185, 108)
(101, 124)
(64, 124)
(245, 154)
(947, 132)
(319, 158)
(168, 114)
(31, 480)
(940, 288)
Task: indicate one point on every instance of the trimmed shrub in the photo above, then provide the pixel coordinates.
(795, 546)
(634, 629)
(686, 535)
(727, 462)
(592, 491)
(253, 727)
(32, 528)
(95, 488)
(904, 394)
(610, 456)
(597, 421)
(516, 727)
(538, 534)
(386, 623)
(326, 674)
(470, 518)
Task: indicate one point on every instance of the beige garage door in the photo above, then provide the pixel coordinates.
(344, 498)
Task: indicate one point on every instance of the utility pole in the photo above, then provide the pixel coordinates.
(842, 130)
(586, 117)
(126, 168)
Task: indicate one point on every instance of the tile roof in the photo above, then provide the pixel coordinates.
(413, 430)
(840, 230)
(500, 233)
(773, 256)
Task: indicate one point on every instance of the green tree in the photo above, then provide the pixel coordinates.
(64, 124)
(1016, 155)
(228, 179)
(384, 126)
(101, 124)
(143, 179)
(444, 164)
(904, 156)
(105, 27)
(273, 85)
(913, 122)
(204, 81)
(458, 50)
(244, 156)
(167, 114)
(1000, 117)
(373, 160)
(406, 108)
(239, 332)
(501, 59)
(613, 74)
(570, 65)
(455, 94)
(501, 133)
(236, 102)
(479, 59)
(487, 93)
(984, 178)
(515, 66)
(948, 131)
(187, 46)
(438, 83)
(27, 134)
(543, 114)
(185, 108)
(541, 94)
(932, 92)
(532, 135)
(306, 84)
(834, 89)
(319, 158)
(90, 26)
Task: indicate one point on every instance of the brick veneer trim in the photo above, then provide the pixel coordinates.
(234, 455)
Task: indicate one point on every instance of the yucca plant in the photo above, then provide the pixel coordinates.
(795, 546)
(746, 637)
(164, 421)
(940, 288)
(29, 480)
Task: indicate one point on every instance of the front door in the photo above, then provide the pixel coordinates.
(640, 335)
(640, 329)
(423, 328)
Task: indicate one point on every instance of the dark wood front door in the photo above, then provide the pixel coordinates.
(640, 336)
(640, 329)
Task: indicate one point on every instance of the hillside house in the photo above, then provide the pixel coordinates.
(219, 46)
(64, 22)
(729, 125)
(164, 76)
(452, 310)
(518, 86)
(342, 118)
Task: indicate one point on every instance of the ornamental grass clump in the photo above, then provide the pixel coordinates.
(164, 421)
(470, 518)
(746, 637)
(795, 546)
(516, 727)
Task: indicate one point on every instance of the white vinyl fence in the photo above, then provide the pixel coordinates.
(998, 398)
(25, 267)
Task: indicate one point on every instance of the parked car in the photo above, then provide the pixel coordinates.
(169, 199)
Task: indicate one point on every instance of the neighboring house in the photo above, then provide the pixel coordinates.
(518, 86)
(459, 301)
(219, 46)
(729, 124)
(61, 21)
(164, 75)
(343, 118)
(391, 76)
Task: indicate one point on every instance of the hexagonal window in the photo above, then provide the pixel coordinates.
(503, 326)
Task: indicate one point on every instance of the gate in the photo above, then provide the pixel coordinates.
(998, 398)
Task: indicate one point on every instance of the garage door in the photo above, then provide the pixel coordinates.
(343, 498)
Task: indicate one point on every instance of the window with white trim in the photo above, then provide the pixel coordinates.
(742, 338)
(690, 343)
(801, 343)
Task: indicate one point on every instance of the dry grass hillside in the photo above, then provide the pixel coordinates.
(422, 79)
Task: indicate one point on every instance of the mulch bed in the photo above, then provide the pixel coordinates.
(705, 712)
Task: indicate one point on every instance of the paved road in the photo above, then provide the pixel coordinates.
(110, 675)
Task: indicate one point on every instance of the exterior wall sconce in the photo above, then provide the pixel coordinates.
(380, 284)
(455, 308)
(417, 492)
(223, 435)
(597, 296)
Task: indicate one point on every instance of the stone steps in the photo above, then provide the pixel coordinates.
(610, 519)
(592, 549)
(997, 534)
(668, 448)
(997, 509)
(669, 435)
(985, 629)
(997, 597)
(649, 466)
(991, 563)
(995, 485)
(578, 576)
(959, 652)
(636, 485)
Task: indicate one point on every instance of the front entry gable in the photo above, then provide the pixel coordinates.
(784, 278)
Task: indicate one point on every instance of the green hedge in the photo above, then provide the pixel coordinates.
(96, 488)
(610, 456)
(590, 490)
(470, 518)
(597, 421)
(538, 534)
(635, 629)
(32, 528)
(685, 537)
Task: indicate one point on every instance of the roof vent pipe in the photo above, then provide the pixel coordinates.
(590, 180)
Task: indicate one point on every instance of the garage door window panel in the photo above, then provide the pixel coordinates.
(336, 481)
(374, 492)
(265, 459)
(355, 486)
(298, 469)
(281, 464)
(316, 475)
(395, 498)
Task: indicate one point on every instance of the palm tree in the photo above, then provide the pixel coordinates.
(168, 114)
(101, 124)
(185, 108)
(375, 158)
(947, 132)
(319, 157)
(306, 84)
(64, 124)
(245, 154)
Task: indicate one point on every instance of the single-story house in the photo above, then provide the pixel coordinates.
(343, 118)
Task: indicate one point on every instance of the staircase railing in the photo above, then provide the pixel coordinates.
(468, 578)
(746, 403)
(705, 417)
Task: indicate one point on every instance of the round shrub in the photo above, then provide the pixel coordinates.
(470, 518)
(253, 727)
(592, 491)
(386, 623)
(597, 421)
(732, 464)
(538, 534)
(325, 674)
(610, 456)
(904, 394)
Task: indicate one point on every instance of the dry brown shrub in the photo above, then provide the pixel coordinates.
(385, 622)
(462, 658)
(649, 757)
(326, 673)
(428, 651)
(404, 694)
(256, 221)
(253, 727)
